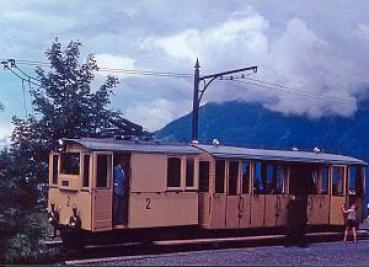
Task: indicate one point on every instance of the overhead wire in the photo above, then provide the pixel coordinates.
(246, 80)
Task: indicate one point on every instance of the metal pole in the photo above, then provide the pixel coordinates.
(195, 106)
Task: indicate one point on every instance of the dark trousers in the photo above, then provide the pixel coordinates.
(118, 209)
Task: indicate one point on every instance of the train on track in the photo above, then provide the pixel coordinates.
(201, 186)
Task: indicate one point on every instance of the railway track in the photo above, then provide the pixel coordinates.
(111, 252)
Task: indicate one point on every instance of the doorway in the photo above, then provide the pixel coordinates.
(121, 181)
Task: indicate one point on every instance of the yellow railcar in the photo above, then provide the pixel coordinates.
(211, 187)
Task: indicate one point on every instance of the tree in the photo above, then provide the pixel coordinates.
(65, 106)
(65, 102)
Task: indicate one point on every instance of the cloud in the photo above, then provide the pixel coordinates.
(307, 65)
(152, 114)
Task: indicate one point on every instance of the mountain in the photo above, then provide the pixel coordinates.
(251, 125)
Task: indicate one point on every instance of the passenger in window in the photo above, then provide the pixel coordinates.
(119, 191)
(351, 220)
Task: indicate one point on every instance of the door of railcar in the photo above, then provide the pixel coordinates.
(218, 200)
(233, 198)
(102, 192)
(245, 199)
(318, 201)
(298, 188)
(338, 173)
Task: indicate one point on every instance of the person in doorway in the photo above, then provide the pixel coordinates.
(351, 222)
(119, 191)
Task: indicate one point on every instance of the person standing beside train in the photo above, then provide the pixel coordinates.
(351, 221)
(119, 190)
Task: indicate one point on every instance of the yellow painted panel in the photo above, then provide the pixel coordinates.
(233, 211)
(204, 209)
(245, 210)
(282, 209)
(218, 206)
(162, 209)
(65, 200)
(270, 210)
(336, 215)
(149, 173)
(257, 210)
(102, 212)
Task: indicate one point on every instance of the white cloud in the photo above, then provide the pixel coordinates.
(152, 114)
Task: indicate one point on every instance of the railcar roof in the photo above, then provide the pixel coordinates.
(231, 152)
(131, 146)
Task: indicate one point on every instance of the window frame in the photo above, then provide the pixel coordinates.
(62, 174)
(89, 172)
(321, 179)
(181, 174)
(109, 179)
(208, 178)
(249, 187)
(343, 180)
(195, 173)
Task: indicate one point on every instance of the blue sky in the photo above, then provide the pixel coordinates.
(318, 50)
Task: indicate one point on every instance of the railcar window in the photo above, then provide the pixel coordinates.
(219, 176)
(313, 182)
(204, 176)
(86, 170)
(245, 174)
(355, 180)
(281, 179)
(70, 163)
(324, 182)
(190, 172)
(174, 172)
(258, 181)
(337, 183)
(55, 169)
(270, 184)
(102, 171)
(233, 177)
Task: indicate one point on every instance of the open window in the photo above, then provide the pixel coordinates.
(70, 163)
(355, 182)
(190, 173)
(313, 181)
(338, 180)
(174, 173)
(103, 170)
(204, 172)
(233, 177)
(281, 179)
(245, 176)
(219, 176)
(86, 171)
(324, 172)
(55, 166)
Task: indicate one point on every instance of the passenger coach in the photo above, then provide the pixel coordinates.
(205, 186)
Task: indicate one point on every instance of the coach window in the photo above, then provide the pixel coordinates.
(174, 172)
(70, 163)
(281, 173)
(219, 176)
(103, 170)
(86, 170)
(233, 177)
(324, 180)
(190, 172)
(204, 176)
(337, 181)
(355, 180)
(245, 174)
(55, 169)
(313, 181)
(259, 170)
